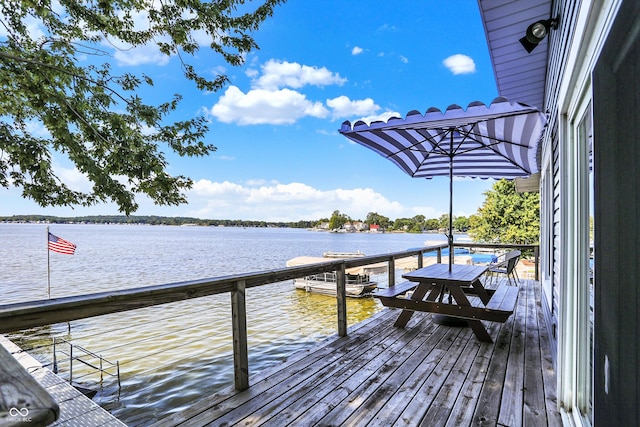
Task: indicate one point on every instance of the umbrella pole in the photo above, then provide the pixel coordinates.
(443, 319)
(450, 217)
(451, 203)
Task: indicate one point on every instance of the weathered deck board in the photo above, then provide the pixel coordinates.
(533, 399)
(511, 404)
(424, 374)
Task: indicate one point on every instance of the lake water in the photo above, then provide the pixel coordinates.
(173, 354)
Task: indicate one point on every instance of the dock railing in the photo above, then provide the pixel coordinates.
(20, 316)
(85, 357)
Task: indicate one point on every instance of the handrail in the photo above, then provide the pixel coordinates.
(24, 315)
(526, 247)
(19, 316)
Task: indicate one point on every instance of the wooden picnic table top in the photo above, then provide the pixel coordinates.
(459, 275)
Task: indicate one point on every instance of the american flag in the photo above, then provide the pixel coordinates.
(61, 246)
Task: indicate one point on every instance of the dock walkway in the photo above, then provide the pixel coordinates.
(424, 374)
(75, 408)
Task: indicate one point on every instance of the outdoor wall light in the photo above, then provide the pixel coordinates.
(537, 31)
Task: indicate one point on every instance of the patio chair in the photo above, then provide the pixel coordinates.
(506, 266)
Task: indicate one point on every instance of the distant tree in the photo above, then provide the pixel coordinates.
(375, 218)
(402, 224)
(52, 81)
(461, 223)
(507, 216)
(432, 224)
(444, 221)
(419, 219)
(417, 224)
(337, 220)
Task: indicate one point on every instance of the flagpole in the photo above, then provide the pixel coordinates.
(48, 267)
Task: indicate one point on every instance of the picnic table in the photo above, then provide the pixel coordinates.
(446, 293)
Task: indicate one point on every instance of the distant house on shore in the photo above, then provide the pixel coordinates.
(323, 225)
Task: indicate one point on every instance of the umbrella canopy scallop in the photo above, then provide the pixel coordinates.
(498, 141)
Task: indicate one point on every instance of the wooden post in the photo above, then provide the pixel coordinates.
(392, 271)
(341, 295)
(420, 259)
(536, 254)
(439, 255)
(240, 346)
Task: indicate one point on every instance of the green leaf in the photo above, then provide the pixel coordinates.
(94, 117)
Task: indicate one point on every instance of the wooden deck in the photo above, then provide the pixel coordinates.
(424, 374)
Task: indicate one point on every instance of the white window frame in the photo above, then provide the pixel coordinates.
(575, 359)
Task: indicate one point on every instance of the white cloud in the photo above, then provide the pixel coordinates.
(259, 106)
(342, 106)
(387, 27)
(272, 100)
(218, 70)
(252, 73)
(277, 74)
(356, 50)
(404, 59)
(140, 55)
(37, 129)
(460, 64)
(365, 109)
(223, 157)
(288, 202)
(73, 178)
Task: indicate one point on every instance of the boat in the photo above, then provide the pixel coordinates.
(334, 254)
(358, 280)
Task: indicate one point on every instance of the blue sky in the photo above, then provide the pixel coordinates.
(280, 156)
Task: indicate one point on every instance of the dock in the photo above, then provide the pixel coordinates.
(423, 374)
(75, 408)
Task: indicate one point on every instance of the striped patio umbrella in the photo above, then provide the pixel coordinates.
(498, 141)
